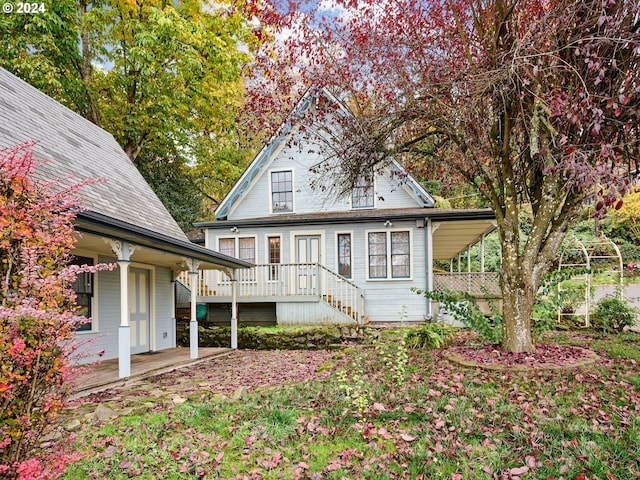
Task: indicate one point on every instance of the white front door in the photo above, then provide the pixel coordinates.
(139, 309)
(308, 253)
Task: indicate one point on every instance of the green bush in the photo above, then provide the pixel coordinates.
(612, 314)
(429, 335)
(464, 309)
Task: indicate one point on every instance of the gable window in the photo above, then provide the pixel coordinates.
(83, 287)
(274, 257)
(362, 194)
(282, 191)
(344, 254)
(389, 255)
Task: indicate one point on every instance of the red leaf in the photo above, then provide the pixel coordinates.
(519, 470)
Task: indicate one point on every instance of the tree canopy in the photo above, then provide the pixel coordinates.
(532, 103)
(157, 74)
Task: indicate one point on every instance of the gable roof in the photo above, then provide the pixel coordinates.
(70, 149)
(278, 142)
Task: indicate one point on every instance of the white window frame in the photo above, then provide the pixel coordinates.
(95, 327)
(337, 264)
(267, 255)
(373, 194)
(222, 277)
(293, 191)
(388, 231)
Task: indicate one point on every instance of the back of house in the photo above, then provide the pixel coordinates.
(322, 257)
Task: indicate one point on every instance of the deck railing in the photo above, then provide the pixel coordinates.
(284, 280)
(476, 284)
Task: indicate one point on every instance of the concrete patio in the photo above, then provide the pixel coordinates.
(104, 375)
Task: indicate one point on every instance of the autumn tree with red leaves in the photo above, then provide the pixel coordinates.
(37, 311)
(534, 103)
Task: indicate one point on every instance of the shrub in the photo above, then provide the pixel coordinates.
(464, 308)
(429, 335)
(611, 314)
(37, 320)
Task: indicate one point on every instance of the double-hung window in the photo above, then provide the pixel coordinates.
(282, 191)
(83, 288)
(362, 195)
(389, 254)
(246, 250)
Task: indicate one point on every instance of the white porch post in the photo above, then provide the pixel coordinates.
(234, 310)
(123, 250)
(468, 259)
(429, 253)
(193, 324)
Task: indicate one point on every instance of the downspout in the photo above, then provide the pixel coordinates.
(428, 241)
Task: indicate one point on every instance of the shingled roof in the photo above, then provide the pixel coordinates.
(70, 149)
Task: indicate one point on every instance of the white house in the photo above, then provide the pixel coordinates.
(321, 259)
(131, 308)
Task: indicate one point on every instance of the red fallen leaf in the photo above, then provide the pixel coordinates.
(174, 455)
(125, 463)
(407, 438)
(580, 477)
(609, 476)
(379, 407)
(519, 470)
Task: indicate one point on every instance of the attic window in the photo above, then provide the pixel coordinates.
(362, 194)
(282, 191)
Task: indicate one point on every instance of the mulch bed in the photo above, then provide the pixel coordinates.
(546, 357)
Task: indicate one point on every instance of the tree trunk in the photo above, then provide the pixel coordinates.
(518, 299)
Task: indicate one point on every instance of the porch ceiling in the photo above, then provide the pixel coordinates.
(453, 237)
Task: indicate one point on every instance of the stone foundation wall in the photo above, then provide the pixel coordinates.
(264, 338)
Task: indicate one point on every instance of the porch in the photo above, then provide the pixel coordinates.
(302, 283)
(103, 375)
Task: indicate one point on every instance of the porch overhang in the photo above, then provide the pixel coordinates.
(154, 248)
(452, 237)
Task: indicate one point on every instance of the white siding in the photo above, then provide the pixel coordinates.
(384, 299)
(165, 328)
(107, 310)
(256, 202)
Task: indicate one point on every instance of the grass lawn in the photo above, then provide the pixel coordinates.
(374, 413)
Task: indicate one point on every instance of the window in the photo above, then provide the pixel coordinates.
(400, 256)
(389, 249)
(246, 248)
(282, 191)
(362, 194)
(344, 254)
(274, 257)
(83, 286)
(378, 255)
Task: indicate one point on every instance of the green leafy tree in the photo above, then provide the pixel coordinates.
(154, 73)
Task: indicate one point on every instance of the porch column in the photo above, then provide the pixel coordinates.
(124, 251)
(429, 256)
(234, 310)
(468, 259)
(193, 324)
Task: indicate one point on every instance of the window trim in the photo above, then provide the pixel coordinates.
(373, 195)
(95, 326)
(351, 257)
(236, 245)
(268, 237)
(293, 189)
(389, 276)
